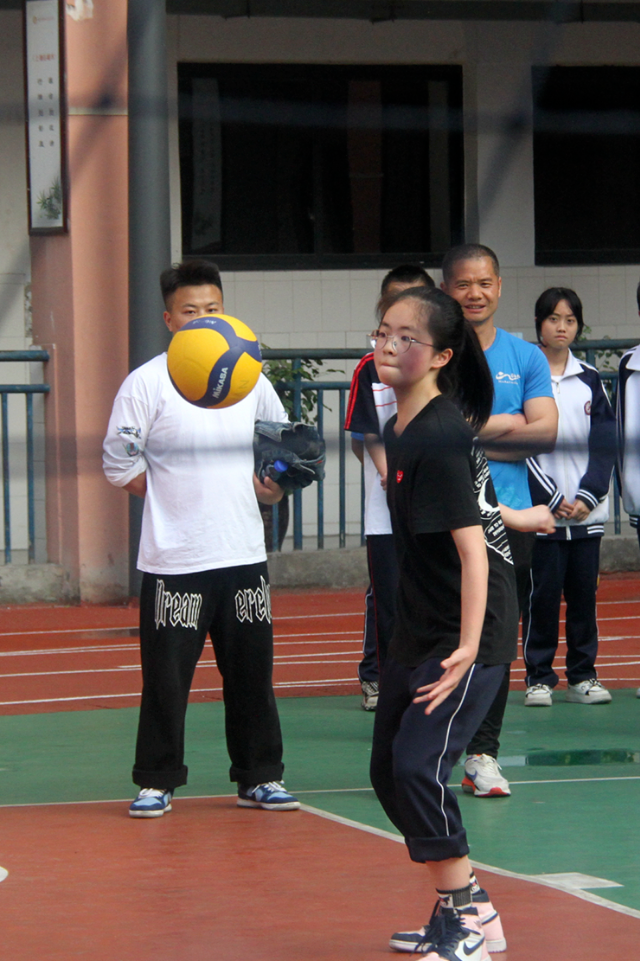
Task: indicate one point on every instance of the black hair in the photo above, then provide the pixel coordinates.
(407, 274)
(549, 300)
(466, 379)
(467, 252)
(190, 273)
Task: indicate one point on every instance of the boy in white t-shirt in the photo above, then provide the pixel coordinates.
(203, 558)
(371, 404)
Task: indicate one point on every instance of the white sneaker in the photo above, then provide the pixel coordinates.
(588, 692)
(482, 777)
(538, 695)
(370, 691)
(638, 692)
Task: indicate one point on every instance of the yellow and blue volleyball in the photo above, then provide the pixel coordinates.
(214, 361)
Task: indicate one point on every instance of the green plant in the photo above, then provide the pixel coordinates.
(51, 203)
(605, 359)
(283, 371)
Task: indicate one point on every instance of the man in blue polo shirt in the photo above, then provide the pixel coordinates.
(524, 422)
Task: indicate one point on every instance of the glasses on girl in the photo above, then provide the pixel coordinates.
(399, 343)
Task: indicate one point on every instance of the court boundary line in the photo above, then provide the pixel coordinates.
(502, 872)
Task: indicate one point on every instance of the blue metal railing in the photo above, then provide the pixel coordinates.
(297, 386)
(28, 390)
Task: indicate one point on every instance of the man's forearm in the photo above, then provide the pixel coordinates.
(138, 485)
(522, 442)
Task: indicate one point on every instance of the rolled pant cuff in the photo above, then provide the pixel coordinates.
(258, 775)
(169, 780)
(438, 849)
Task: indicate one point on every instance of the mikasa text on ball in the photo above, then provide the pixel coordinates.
(214, 361)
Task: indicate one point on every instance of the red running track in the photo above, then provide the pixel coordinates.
(80, 658)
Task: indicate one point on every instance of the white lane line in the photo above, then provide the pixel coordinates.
(94, 649)
(134, 627)
(349, 638)
(533, 879)
(621, 617)
(580, 780)
(320, 682)
(283, 660)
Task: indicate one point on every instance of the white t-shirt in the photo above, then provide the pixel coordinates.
(371, 404)
(200, 510)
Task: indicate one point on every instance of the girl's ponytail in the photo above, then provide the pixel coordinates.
(474, 380)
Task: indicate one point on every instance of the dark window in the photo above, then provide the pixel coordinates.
(587, 165)
(308, 166)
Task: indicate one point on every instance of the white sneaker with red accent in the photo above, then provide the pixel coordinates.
(482, 777)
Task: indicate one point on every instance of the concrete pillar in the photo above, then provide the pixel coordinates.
(499, 160)
(80, 311)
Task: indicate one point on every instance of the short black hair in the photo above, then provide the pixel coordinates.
(549, 300)
(467, 252)
(412, 274)
(190, 273)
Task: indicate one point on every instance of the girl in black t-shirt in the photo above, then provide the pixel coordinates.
(456, 609)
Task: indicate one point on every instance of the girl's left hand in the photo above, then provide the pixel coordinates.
(455, 668)
(579, 511)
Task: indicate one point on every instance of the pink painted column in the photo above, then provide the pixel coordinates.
(80, 311)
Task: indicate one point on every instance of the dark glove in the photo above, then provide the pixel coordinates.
(293, 455)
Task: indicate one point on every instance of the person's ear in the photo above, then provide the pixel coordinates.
(442, 358)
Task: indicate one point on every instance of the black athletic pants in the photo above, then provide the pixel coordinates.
(176, 612)
(486, 740)
(413, 754)
(380, 605)
(569, 567)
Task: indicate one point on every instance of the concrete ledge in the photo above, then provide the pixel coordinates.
(320, 569)
(335, 569)
(619, 553)
(329, 570)
(34, 583)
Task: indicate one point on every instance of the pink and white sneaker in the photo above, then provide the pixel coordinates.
(409, 941)
(454, 935)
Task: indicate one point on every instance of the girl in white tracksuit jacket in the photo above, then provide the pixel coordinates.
(628, 416)
(573, 481)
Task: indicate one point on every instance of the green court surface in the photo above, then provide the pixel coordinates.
(574, 772)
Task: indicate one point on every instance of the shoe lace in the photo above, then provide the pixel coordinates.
(491, 763)
(271, 785)
(443, 931)
(539, 687)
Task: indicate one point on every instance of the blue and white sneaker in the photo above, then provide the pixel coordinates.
(151, 803)
(272, 796)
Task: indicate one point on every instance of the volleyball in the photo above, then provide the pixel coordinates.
(214, 361)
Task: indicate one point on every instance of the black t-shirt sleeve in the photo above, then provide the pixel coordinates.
(362, 416)
(444, 498)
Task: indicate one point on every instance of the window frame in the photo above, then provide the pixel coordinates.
(452, 74)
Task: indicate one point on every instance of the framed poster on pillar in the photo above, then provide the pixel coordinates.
(45, 104)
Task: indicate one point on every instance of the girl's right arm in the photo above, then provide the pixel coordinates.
(472, 551)
(537, 519)
(375, 449)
